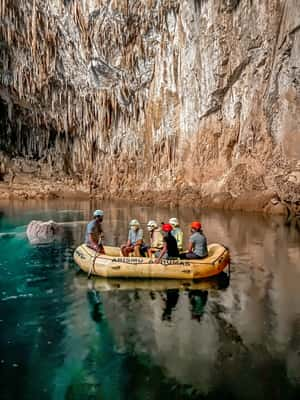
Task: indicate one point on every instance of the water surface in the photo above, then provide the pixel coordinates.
(65, 337)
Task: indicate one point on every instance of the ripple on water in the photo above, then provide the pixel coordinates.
(71, 340)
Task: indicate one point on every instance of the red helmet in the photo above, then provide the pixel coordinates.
(196, 225)
(167, 227)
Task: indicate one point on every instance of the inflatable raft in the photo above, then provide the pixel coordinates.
(112, 265)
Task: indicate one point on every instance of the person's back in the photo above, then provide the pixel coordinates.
(199, 244)
(157, 239)
(172, 248)
(197, 247)
(177, 232)
(178, 235)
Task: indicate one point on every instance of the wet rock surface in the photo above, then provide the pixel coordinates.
(43, 231)
(195, 100)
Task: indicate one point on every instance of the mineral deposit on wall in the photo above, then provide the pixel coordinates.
(195, 99)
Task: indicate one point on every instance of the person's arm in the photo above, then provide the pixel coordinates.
(128, 243)
(151, 250)
(93, 243)
(139, 239)
(180, 240)
(162, 253)
(191, 246)
(102, 235)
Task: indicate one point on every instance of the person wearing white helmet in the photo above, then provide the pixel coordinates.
(177, 232)
(94, 232)
(135, 240)
(156, 238)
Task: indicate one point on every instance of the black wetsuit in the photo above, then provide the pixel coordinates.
(172, 249)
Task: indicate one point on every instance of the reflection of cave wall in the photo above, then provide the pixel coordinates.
(255, 319)
(201, 95)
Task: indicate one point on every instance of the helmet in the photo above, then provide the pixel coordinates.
(98, 213)
(196, 225)
(167, 228)
(152, 225)
(174, 221)
(134, 222)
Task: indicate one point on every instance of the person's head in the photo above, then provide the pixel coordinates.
(174, 222)
(152, 225)
(196, 226)
(134, 224)
(98, 215)
(166, 229)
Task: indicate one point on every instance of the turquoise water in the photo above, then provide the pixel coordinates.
(65, 337)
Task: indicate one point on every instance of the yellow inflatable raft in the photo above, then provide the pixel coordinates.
(112, 265)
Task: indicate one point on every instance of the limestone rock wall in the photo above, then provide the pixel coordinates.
(197, 97)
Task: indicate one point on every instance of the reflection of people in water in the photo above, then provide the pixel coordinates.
(171, 298)
(223, 280)
(96, 303)
(152, 295)
(198, 299)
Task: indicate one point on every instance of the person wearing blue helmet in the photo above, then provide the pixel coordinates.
(94, 232)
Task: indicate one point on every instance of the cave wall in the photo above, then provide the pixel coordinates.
(197, 96)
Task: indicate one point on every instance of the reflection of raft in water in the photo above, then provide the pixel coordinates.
(118, 284)
(112, 265)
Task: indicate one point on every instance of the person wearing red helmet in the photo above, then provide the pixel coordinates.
(170, 249)
(197, 243)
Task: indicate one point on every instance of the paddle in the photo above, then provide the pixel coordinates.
(92, 268)
(98, 252)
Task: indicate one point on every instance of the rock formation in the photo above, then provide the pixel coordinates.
(198, 100)
(43, 232)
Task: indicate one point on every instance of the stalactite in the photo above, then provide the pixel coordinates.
(98, 114)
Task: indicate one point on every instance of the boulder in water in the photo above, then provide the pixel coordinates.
(43, 231)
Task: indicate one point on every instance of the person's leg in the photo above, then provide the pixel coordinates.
(152, 251)
(157, 254)
(144, 250)
(126, 250)
(191, 256)
(101, 249)
(123, 250)
(137, 251)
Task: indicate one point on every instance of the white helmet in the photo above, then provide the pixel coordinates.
(174, 221)
(98, 213)
(134, 222)
(152, 225)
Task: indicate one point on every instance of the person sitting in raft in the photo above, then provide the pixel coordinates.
(94, 232)
(156, 238)
(135, 240)
(197, 243)
(170, 249)
(177, 232)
